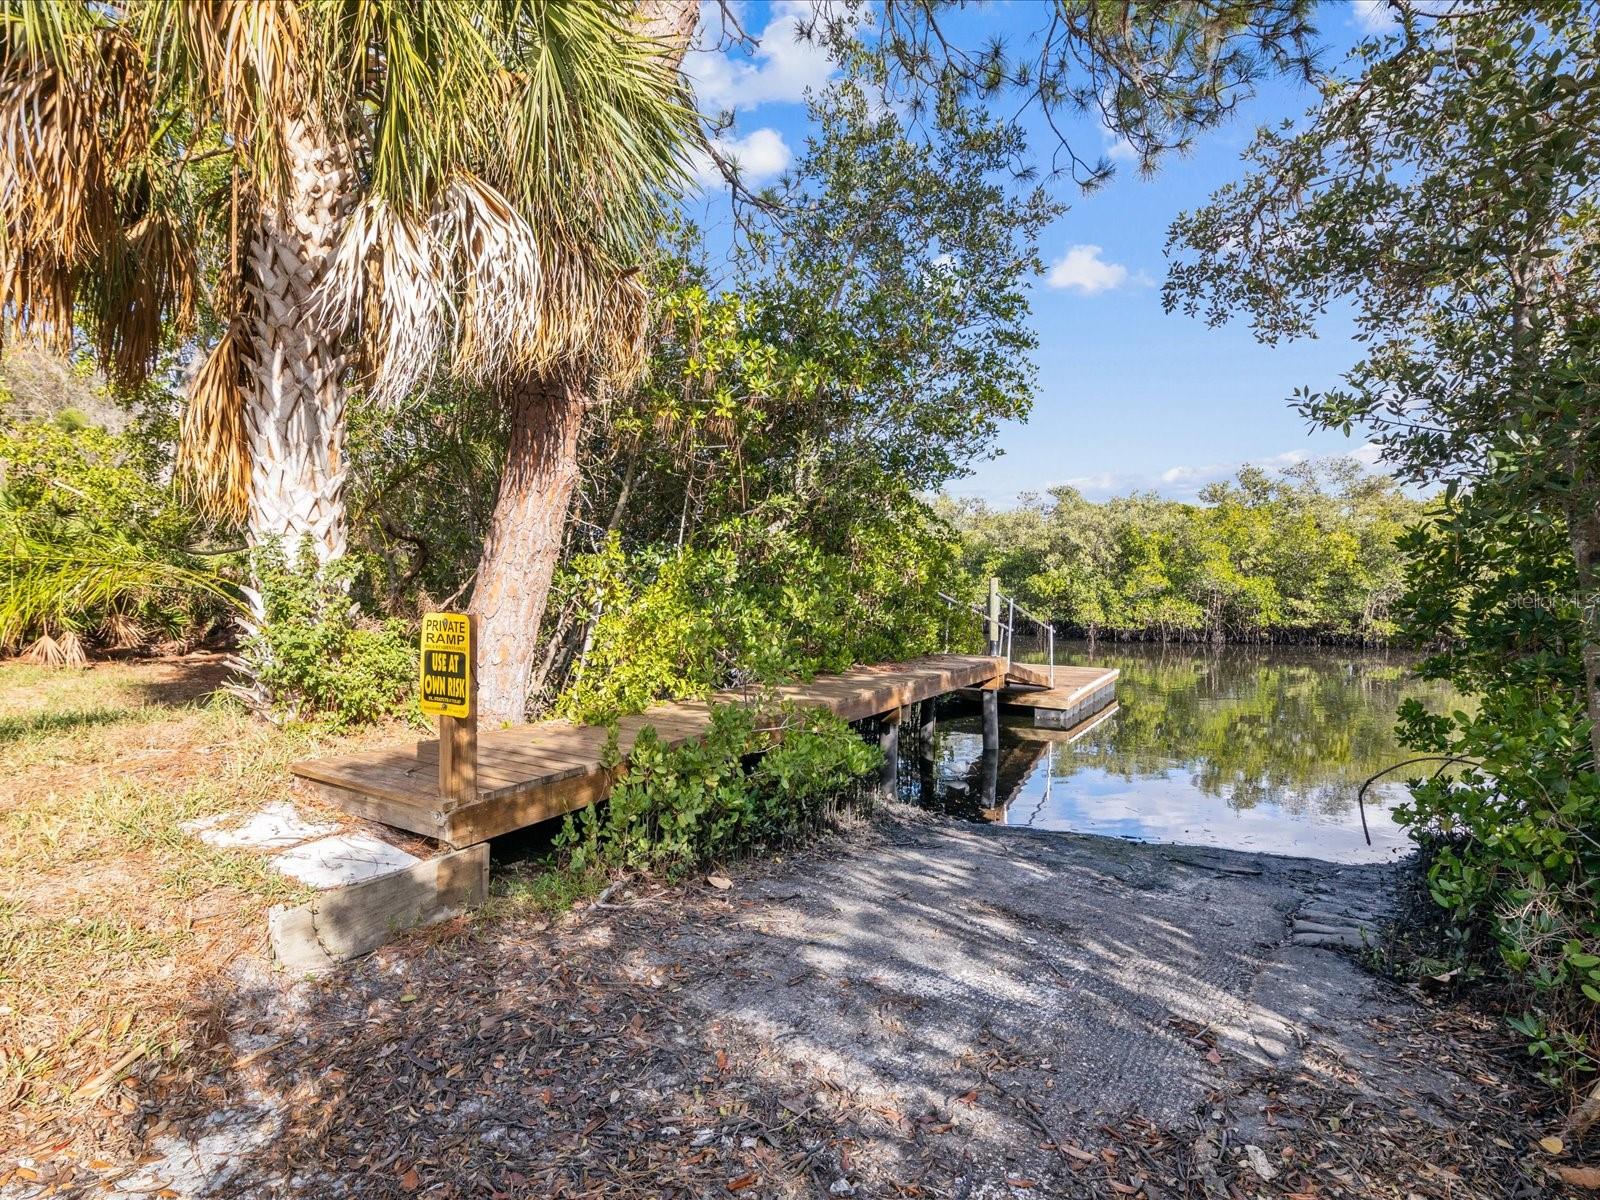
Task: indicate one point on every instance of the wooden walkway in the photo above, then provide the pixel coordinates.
(531, 773)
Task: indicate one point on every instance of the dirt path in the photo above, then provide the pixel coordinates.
(922, 1010)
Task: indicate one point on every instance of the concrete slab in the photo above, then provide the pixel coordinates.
(345, 858)
(277, 826)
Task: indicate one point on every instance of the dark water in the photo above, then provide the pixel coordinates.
(1250, 749)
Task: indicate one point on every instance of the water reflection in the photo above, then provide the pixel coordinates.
(1252, 749)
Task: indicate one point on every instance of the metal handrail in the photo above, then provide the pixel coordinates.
(1003, 633)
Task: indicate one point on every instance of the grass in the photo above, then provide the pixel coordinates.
(117, 927)
(539, 888)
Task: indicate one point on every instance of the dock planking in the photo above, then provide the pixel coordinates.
(533, 773)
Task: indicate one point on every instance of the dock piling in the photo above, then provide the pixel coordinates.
(889, 743)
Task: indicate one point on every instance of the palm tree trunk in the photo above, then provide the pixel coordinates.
(524, 541)
(294, 406)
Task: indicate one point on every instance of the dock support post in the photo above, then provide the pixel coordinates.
(991, 719)
(458, 736)
(993, 627)
(989, 784)
(889, 743)
(927, 722)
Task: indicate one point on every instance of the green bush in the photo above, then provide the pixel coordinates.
(756, 601)
(1511, 836)
(758, 778)
(97, 545)
(1513, 860)
(315, 657)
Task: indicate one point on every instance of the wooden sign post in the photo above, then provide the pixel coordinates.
(449, 691)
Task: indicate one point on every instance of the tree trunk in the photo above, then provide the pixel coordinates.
(530, 514)
(524, 542)
(294, 404)
(1583, 531)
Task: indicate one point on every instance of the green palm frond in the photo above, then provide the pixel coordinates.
(78, 580)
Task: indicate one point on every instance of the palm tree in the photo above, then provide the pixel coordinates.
(595, 322)
(394, 186)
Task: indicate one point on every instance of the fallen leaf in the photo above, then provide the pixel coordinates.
(722, 883)
(1080, 1155)
(1587, 1178)
(749, 1179)
(410, 1180)
(1552, 1145)
(1020, 1183)
(1213, 1058)
(1259, 1163)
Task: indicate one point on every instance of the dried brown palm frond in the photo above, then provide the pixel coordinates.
(498, 269)
(592, 314)
(466, 275)
(623, 333)
(57, 204)
(242, 61)
(213, 445)
(121, 631)
(387, 282)
(142, 292)
(64, 651)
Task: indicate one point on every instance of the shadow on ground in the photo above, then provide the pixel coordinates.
(926, 1010)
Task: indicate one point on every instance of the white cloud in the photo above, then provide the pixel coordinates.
(1083, 269)
(1368, 454)
(1278, 462)
(760, 157)
(1375, 16)
(781, 68)
(1193, 476)
(1120, 150)
(1103, 481)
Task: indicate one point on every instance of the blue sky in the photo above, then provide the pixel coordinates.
(1128, 397)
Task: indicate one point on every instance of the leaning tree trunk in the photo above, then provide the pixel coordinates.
(294, 401)
(524, 541)
(530, 514)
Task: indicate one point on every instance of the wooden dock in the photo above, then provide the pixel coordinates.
(1074, 695)
(530, 773)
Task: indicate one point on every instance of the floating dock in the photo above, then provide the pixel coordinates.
(1060, 697)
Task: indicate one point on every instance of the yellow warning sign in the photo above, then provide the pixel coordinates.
(446, 665)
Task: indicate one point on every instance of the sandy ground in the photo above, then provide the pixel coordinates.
(919, 1009)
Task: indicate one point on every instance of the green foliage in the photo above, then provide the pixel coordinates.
(1512, 856)
(315, 656)
(755, 601)
(752, 513)
(98, 544)
(445, 440)
(756, 779)
(1443, 188)
(1309, 555)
